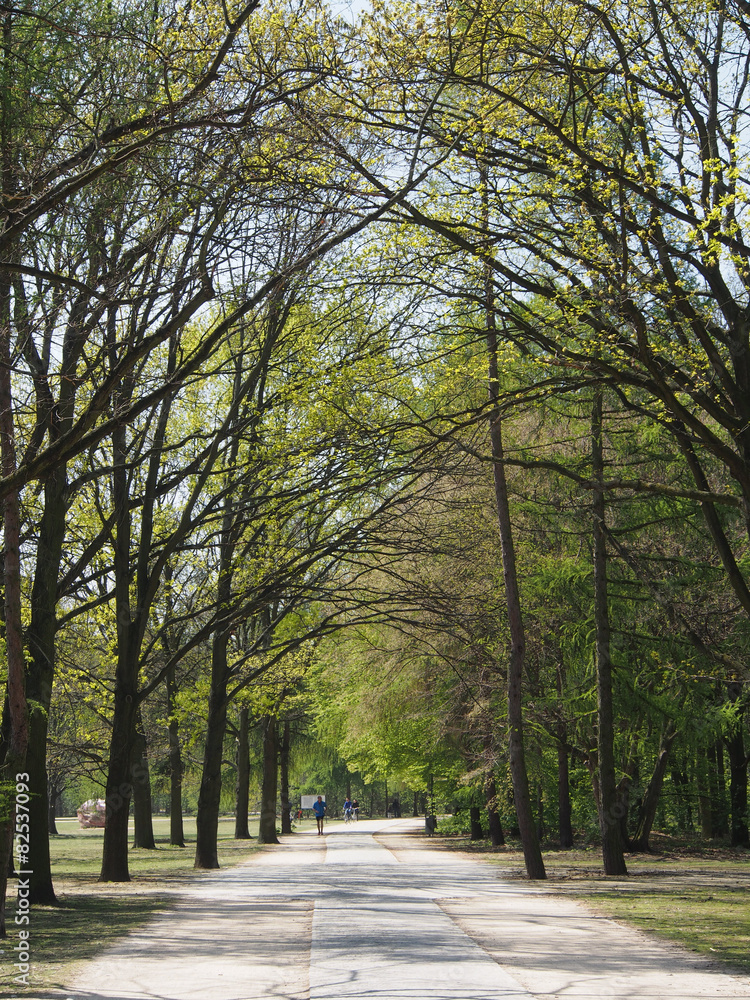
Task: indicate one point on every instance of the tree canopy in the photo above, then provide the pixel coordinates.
(385, 379)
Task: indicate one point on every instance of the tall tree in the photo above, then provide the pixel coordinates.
(269, 786)
(609, 818)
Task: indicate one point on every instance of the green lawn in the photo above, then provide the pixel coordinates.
(78, 853)
(714, 923)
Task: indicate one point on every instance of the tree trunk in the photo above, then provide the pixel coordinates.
(41, 889)
(119, 788)
(647, 813)
(521, 796)
(209, 797)
(40, 638)
(52, 798)
(719, 811)
(143, 826)
(541, 828)
(13, 772)
(122, 738)
(267, 833)
(684, 789)
(242, 798)
(493, 816)
(286, 817)
(609, 807)
(564, 810)
(704, 791)
(176, 829)
(623, 808)
(735, 744)
(475, 823)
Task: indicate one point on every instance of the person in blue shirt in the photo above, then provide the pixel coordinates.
(347, 810)
(319, 808)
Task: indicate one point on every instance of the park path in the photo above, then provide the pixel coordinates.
(368, 912)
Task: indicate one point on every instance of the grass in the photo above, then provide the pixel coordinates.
(715, 924)
(695, 895)
(78, 853)
(92, 915)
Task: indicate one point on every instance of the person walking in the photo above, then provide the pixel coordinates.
(319, 808)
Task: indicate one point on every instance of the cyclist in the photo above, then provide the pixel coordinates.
(347, 810)
(355, 809)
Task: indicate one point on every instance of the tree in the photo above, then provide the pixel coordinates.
(631, 235)
(124, 206)
(616, 250)
(612, 846)
(269, 785)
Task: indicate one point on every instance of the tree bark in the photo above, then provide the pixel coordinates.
(719, 811)
(564, 809)
(286, 817)
(493, 816)
(522, 798)
(521, 795)
(738, 761)
(242, 799)
(267, 832)
(52, 798)
(209, 797)
(176, 828)
(135, 585)
(475, 823)
(18, 737)
(703, 787)
(40, 638)
(119, 788)
(647, 813)
(143, 826)
(610, 812)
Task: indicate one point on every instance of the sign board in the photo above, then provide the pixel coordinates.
(307, 801)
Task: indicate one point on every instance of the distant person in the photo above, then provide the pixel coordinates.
(319, 808)
(347, 809)
(355, 809)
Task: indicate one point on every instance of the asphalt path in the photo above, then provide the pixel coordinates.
(367, 911)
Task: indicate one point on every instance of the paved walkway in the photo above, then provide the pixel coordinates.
(343, 916)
